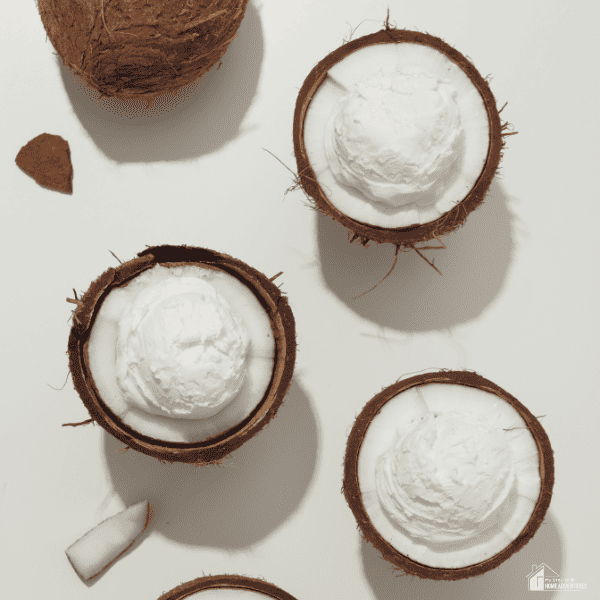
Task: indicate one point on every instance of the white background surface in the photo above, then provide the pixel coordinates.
(517, 302)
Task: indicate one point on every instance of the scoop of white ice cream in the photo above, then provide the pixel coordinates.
(393, 134)
(445, 477)
(181, 350)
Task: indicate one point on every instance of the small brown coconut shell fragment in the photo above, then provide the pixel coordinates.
(141, 48)
(214, 449)
(47, 158)
(352, 490)
(403, 237)
(226, 582)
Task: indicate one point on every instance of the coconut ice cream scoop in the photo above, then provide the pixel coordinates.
(444, 477)
(393, 134)
(181, 350)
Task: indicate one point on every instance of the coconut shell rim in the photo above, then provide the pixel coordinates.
(409, 236)
(216, 448)
(242, 582)
(352, 493)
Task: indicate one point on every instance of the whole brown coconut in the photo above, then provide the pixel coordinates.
(226, 582)
(359, 503)
(309, 175)
(215, 448)
(132, 49)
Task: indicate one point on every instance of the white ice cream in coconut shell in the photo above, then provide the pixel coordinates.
(182, 353)
(181, 350)
(393, 134)
(397, 134)
(448, 474)
(445, 476)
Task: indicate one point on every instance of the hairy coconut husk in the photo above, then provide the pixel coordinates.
(226, 582)
(216, 448)
(138, 49)
(47, 158)
(351, 487)
(402, 237)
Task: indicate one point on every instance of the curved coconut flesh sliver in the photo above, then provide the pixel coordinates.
(106, 542)
(472, 146)
(102, 357)
(407, 409)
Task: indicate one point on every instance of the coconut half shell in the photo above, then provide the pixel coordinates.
(213, 449)
(352, 490)
(141, 48)
(408, 236)
(226, 582)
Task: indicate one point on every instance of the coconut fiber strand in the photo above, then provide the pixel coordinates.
(47, 158)
(141, 48)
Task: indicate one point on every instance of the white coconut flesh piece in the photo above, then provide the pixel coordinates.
(227, 594)
(102, 545)
(104, 351)
(377, 134)
(438, 419)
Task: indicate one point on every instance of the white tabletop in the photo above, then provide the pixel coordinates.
(517, 302)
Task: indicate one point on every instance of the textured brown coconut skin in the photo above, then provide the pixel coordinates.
(353, 495)
(141, 48)
(47, 158)
(230, 582)
(216, 448)
(403, 237)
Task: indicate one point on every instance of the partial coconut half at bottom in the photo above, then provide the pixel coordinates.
(447, 474)
(182, 353)
(397, 137)
(226, 587)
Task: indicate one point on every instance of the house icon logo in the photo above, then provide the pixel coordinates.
(538, 576)
(543, 578)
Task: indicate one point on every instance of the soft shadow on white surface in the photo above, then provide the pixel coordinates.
(415, 297)
(507, 582)
(238, 503)
(202, 118)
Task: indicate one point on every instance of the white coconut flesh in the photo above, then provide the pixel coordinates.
(449, 475)
(102, 545)
(157, 370)
(397, 135)
(226, 594)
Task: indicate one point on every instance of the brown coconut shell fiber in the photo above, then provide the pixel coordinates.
(47, 158)
(402, 237)
(226, 582)
(138, 49)
(216, 448)
(351, 487)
